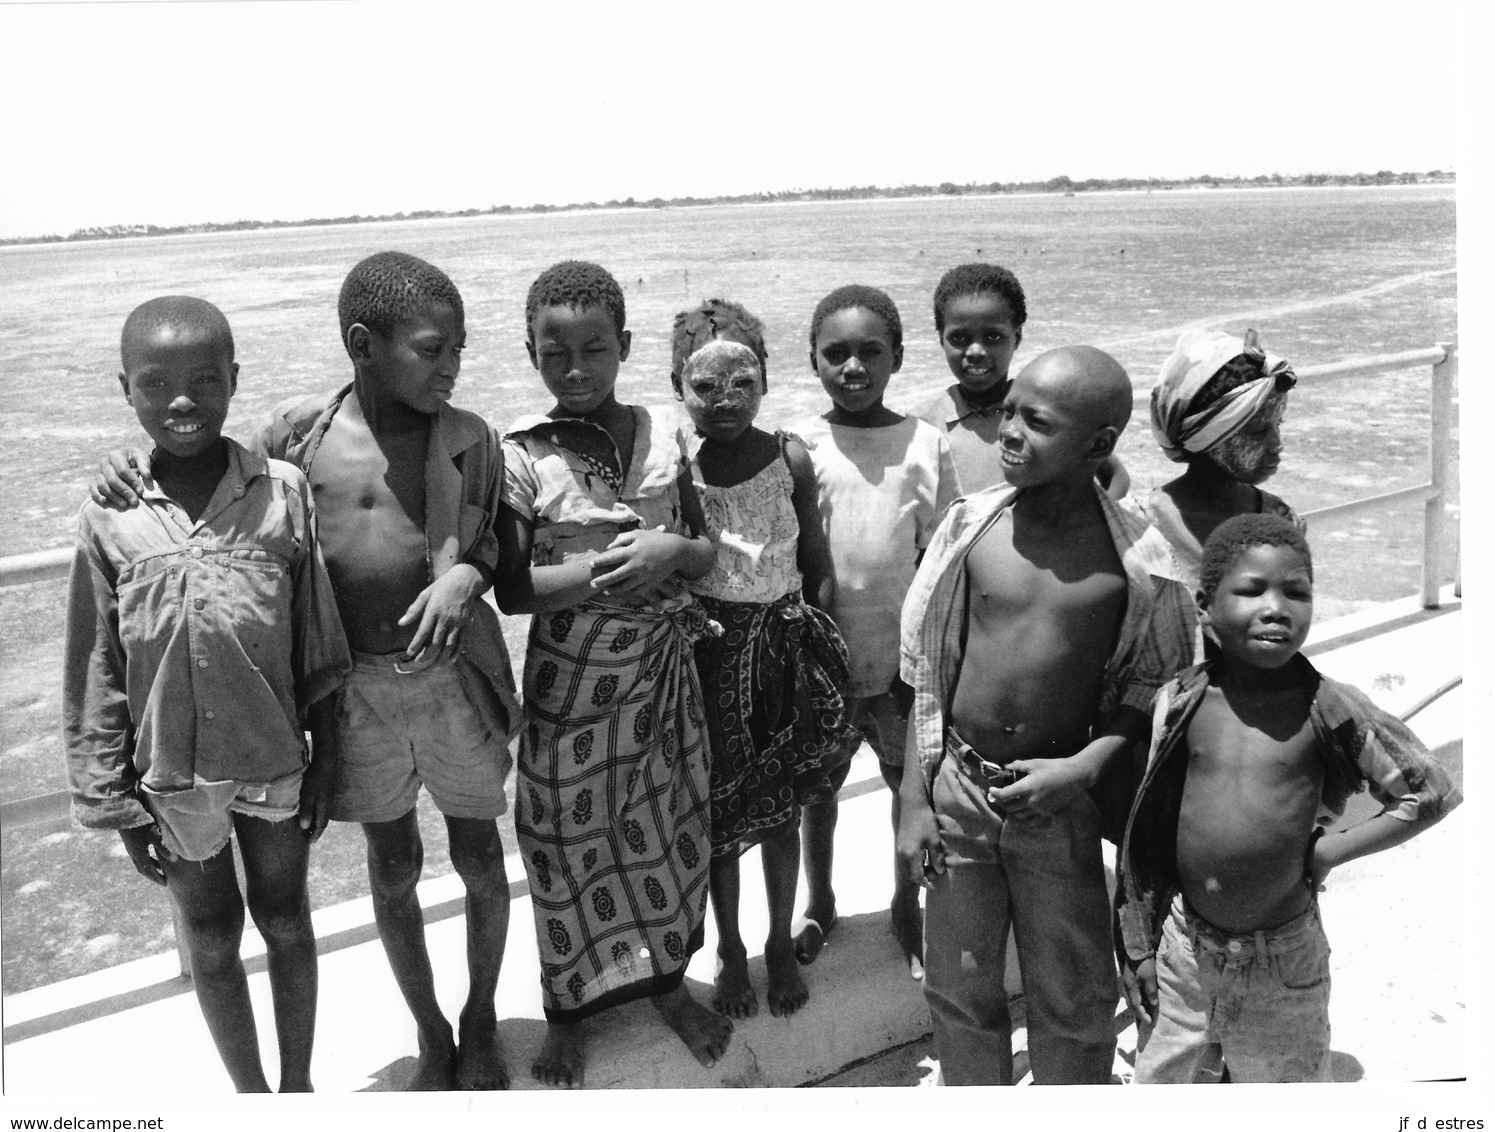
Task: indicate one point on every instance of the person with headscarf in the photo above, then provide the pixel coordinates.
(1217, 408)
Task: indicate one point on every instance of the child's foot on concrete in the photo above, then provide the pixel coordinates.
(908, 929)
(435, 1070)
(786, 987)
(816, 926)
(734, 995)
(562, 1059)
(705, 1033)
(480, 1060)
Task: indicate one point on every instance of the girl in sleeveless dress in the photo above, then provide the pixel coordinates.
(773, 709)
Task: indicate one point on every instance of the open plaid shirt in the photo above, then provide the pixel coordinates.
(1156, 638)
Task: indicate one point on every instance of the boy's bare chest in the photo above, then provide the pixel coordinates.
(360, 478)
(1263, 742)
(1070, 575)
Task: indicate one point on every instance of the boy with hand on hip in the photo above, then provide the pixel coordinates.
(202, 642)
(1224, 960)
(1042, 620)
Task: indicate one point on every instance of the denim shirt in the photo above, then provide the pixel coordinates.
(464, 475)
(194, 649)
(1361, 745)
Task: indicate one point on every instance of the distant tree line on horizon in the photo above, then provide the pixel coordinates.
(1059, 184)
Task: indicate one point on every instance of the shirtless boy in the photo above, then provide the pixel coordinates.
(1040, 624)
(1224, 960)
(406, 487)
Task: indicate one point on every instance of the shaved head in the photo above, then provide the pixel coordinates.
(179, 316)
(1090, 382)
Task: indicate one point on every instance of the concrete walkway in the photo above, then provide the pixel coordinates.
(1397, 921)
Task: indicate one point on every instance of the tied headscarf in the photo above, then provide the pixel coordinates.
(1197, 358)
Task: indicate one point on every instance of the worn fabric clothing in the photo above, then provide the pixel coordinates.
(776, 717)
(1181, 429)
(464, 476)
(880, 720)
(1155, 641)
(756, 534)
(613, 802)
(442, 728)
(196, 824)
(193, 649)
(1361, 746)
(1188, 552)
(1257, 1004)
(972, 432)
(882, 492)
(772, 679)
(1044, 876)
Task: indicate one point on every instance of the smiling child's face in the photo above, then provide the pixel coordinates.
(1263, 606)
(855, 358)
(979, 340)
(179, 380)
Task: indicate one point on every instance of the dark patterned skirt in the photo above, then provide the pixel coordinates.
(612, 807)
(774, 712)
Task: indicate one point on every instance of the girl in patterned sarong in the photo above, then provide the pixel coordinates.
(772, 703)
(600, 528)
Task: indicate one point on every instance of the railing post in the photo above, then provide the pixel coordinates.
(1440, 427)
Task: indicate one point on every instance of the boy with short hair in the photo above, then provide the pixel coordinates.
(1224, 960)
(202, 641)
(884, 480)
(407, 488)
(1042, 620)
(979, 313)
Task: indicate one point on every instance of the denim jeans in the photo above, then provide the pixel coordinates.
(1044, 876)
(1257, 1004)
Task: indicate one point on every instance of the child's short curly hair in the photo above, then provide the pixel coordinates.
(181, 312)
(979, 279)
(858, 295)
(575, 283)
(716, 318)
(388, 286)
(1241, 533)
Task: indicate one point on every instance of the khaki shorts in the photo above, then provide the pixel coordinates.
(195, 824)
(437, 728)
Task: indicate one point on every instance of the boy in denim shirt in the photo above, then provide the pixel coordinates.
(202, 641)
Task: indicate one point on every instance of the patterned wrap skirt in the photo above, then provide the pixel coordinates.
(775, 714)
(613, 802)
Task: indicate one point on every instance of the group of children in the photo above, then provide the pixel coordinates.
(720, 616)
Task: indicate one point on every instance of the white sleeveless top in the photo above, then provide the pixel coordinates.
(756, 535)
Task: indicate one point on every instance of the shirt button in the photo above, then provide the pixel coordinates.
(202, 664)
(197, 552)
(1234, 945)
(199, 603)
(207, 715)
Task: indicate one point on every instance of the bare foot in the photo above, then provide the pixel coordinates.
(433, 1072)
(562, 1060)
(816, 927)
(908, 929)
(705, 1033)
(786, 987)
(734, 990)
(480, 1060)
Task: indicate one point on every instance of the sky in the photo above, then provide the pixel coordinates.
(174, 113)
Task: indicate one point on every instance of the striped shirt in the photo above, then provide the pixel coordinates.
(1155, 641)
